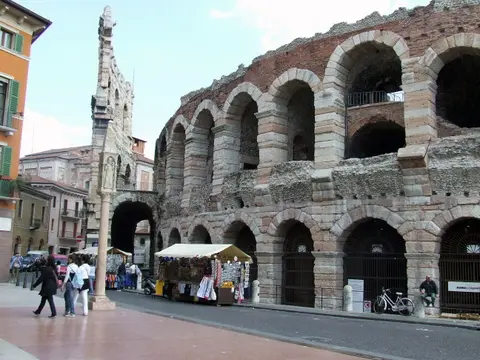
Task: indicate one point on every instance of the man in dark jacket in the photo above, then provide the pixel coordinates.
(121, 273)
(429, 291)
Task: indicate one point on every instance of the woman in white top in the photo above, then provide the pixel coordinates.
(84, 270)
(67, 286)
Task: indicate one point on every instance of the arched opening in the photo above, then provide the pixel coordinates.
(298, 285)
(125, 117)
(176, 161)
(159, 242)
(301, 121)
(200, 235)
(117, 97)
(459, 267)
(125, 219)
(160, 163)
(128, 172)
(174, 237)
(375, 254)
(458, 88)
(379, 138)
(204, 138)
(119, 165)
(240, 235)
(249, 152)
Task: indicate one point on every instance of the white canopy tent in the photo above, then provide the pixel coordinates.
(110, 250)
(223, 251)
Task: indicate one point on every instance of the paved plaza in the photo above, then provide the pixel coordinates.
(127, 334)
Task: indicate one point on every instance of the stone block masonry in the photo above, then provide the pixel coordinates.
(286, 186)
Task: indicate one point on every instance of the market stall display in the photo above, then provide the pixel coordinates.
(203, 272)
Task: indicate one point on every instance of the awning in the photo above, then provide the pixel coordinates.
(93, 250)
(223, 251)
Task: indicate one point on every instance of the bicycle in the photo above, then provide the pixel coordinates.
(402, 305)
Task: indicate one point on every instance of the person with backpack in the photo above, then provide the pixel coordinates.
(83, 272)
(68, 287)
(15, 266)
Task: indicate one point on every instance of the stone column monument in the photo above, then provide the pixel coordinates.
(106, 187)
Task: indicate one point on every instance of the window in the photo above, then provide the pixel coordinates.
(87, 185)
(9, 93)
(11, 41)
(75, 228)
(52, 225)
(142, 242)
(65, 205)
(54, 202)
(43, 214)
(20, 209)
(32, 212)
(64, 226)
(6, 160)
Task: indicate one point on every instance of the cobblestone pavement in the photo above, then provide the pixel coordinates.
(403, 340)
(126, 334)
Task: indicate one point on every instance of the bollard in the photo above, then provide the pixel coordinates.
(33, 282)
(17, 282)
(25, 281)
(255, 291)
(419, 307)
(347, 298)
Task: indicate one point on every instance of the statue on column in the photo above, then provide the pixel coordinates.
(109, 174)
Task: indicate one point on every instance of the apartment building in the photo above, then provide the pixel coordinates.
(32, 218)
(66, 228)
(19, 29)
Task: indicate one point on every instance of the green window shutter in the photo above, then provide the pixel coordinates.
(19, 43)
(6, 160)
(14, 89)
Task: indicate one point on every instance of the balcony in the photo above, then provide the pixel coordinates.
(372, 98)
(35, 224)
(69, 214)
(12, 124)
(70, 236)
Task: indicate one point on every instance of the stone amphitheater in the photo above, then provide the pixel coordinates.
(351, 155)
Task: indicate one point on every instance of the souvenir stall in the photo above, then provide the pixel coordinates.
(203, 273)
(114, 259)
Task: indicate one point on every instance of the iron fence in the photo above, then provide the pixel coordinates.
(372, 97)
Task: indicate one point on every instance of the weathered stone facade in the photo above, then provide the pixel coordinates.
(112, 128)
(311, 98)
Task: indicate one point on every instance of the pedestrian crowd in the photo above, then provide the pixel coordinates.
(78, 283)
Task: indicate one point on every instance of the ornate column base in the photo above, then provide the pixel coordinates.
(100, 302)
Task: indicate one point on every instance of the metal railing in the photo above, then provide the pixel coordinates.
(372, 97)
(69, 235)
(35, 223)
(6, 188)
(72, 213)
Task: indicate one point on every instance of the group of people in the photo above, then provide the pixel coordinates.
(78, 282)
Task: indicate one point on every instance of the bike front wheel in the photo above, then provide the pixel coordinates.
(406, 307)
(380, 305)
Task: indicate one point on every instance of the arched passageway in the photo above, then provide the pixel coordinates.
(375, 253)
(124, 224)
(200, 235)
(458, 88)
(249, 152)
(298, 285)
(459, 267)
(379, 138)
(174, 237)
(240, 235)
(176, 161)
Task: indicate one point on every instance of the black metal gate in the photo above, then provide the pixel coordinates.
(247, 243)
(377, 271)
(459, 264)
(298, 281)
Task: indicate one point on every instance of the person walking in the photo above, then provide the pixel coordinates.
(84, 270)
(121, 273)
(67, 287)
(15, 266)
(91, 276)
(49, 281)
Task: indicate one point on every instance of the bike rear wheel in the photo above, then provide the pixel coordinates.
(406, 307)
(380, 305)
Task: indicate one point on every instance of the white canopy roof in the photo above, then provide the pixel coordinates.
(110, 250)
(223, 251)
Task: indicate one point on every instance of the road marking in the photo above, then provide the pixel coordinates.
(423, 329)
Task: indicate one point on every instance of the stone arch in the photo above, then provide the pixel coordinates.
(239, 98)
(179, 120)
(240, 217)
(359, 123)
(340, 63)
(447, 218)
(208, 105)
(280, 91)
(172, 229)
(296, 215)
(176, 151)
(206, 224)
(344, 226)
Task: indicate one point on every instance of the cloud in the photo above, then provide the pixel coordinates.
(42, 132)
(281, 21)
(217, 14)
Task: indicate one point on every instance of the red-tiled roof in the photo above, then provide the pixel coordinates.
(69, 152)
(34, 179)
(143, 158)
